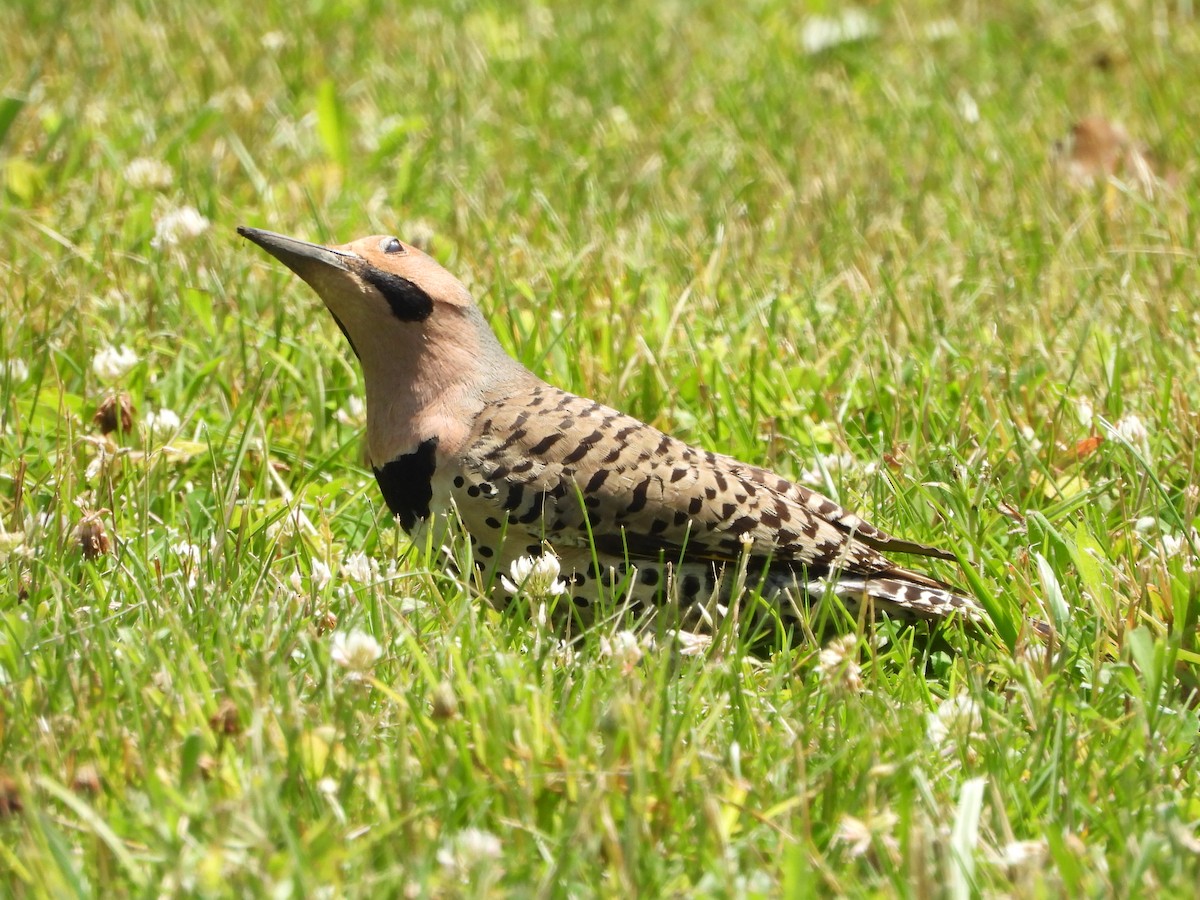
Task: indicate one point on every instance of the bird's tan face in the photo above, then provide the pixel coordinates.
(419, 336)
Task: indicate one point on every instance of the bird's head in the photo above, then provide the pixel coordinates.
(421, 340)
(372, 285)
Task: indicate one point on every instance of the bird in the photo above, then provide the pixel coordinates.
(456, 427)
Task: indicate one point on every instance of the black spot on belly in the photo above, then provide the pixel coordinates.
(408, 302)
(649, 576)
(407, 483)
(691, 585)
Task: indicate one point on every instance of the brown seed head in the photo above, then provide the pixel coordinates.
(1098, 146)
(207, 766)
(325, 622)
(445, 702)
(91, 536)
(115, 413)
(226, 720)
(10, 797)
(86, 779)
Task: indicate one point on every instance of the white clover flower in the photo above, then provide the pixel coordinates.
(147, 173)
(273, 41)
(536, 578)
(15, 370)
(189, 560)
(941, 29)
(356, 651)
(837, 664)
(563, 653)
(1133, 431)
(1018, 853)
(177, 226)
(689, 643)
(623, 648)
(359, 568)
(958, 717)
(163, 421)
(1174, 545)
(113, 362)
(1146, 525)
(318, 577)
(855, 834)
(858, 834)
(468, 850)
(188, 553)
(320, 574)
(1085, 411)
(10, 542)
(353, 414)
(822, 32)
(968, 109)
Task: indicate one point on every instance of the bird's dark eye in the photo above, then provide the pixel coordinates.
(391, 245)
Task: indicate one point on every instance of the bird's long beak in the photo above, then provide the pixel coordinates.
(301, 257)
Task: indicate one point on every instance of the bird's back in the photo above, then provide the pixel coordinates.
(625, 505)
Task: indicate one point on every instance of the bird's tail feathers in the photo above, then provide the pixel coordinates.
(902, 598)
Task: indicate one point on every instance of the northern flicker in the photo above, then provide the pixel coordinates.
(454, 422)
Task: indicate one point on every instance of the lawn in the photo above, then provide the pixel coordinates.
(860, 247)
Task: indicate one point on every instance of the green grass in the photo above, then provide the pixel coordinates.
(673, 208)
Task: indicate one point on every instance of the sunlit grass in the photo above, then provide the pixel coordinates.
(862, 267)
